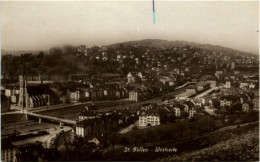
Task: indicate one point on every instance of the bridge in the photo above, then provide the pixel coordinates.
(58, 119)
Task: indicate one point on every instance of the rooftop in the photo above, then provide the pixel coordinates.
(185, 94)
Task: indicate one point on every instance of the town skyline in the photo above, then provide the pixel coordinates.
(129, 81)
(236, 27)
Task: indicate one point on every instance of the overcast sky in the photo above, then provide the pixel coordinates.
(42, 25)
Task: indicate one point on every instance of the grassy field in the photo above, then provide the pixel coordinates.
(243, 146)
(217, 145)
(12, 118)
(67, 113)
(74, 111)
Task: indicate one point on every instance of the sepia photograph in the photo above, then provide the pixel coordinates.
(122, 80)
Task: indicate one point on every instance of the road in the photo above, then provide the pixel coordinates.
(128, 129)
(208, 91)
(61, 144)
(69, 135)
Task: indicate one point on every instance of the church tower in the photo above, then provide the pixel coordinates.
(23, 95)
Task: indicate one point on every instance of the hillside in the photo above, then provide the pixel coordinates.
(241, 145)
(151, 43)
(5, 52)
(165, 43)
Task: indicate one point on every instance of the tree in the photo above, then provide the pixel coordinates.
(205, 124)
(180, 127)
(215, 103)
(78, 143)
(163, 117)
(113, 138)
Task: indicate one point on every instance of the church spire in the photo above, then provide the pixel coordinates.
(23, 89)
(24, 71)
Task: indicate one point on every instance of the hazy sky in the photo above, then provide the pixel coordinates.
(42, 25)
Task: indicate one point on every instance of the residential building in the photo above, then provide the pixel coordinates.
(227, 101)
(8, 151)
(80, 130)
(131, 77)
(96, 127)
(147, 106)
(192, 112)
(213, 83)
(244, 85)
(202, 86)
(5, 103)
(245, 107)
(233, 65)
(219, 72)
(252, 86)
(149, 118)
(184, 95)
(256, 103)
(133, 96)
(228, 84)
(186, 108)
(9, 92)
(177, 111)
(87, 114)
(75, 95)
(14, 99)
(191, 89)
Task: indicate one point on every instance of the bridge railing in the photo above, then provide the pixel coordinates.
(52, 118)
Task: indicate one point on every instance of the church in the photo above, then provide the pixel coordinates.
(35, 95)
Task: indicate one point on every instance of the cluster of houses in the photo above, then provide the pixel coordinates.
(29, 95)
(156, 70)
(152, 115)
(92, 124)
(27, 152)
(238, 78)
(145, 91)
(97, 126)
(192, 90)
(94, 91)
(163, 58)
(237, 101)
(138, 86)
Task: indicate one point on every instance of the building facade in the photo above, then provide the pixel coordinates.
(133, 96)
(147, 118)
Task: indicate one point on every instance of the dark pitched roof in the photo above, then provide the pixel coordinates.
(5, 144)
(88, 113)
(229, 98)
(91, 107)
(39, 89)
(189, 103)
(149, 112)
(111, 75)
